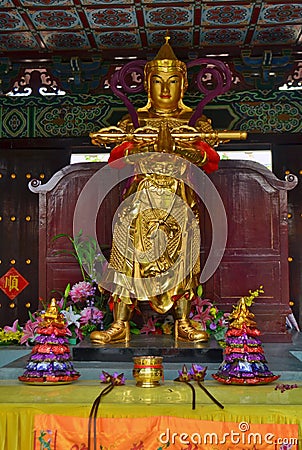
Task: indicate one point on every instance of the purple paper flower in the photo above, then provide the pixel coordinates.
(105, 377)
(286, 447)
(116, 379)
(197, 372)
(184, 375)
(285, 387)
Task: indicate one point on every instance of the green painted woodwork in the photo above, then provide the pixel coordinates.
(78, 115)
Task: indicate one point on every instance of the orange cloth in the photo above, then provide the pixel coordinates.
(159, 432)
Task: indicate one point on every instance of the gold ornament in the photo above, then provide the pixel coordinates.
(148, 370)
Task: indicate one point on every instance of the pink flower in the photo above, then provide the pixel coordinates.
(14, 328)
(149, 327)
(81, 291)
(79, 334)
(202, 308)
(60, 303)
(29, 332)
(91, 314)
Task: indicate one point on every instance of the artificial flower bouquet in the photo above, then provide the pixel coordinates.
(82, 306)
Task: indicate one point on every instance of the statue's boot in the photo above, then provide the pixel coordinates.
(184, 331)
(119, 330)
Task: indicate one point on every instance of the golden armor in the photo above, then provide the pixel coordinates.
(160, 221)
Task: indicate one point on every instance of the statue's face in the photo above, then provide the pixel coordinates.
(165, 90)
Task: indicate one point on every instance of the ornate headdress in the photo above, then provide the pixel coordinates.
(165, 60)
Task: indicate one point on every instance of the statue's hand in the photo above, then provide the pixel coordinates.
(200, 153)
(121, 151)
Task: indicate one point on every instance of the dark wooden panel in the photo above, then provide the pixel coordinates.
(256, 253)
(19, 162)
(234, 275)
(59, 273)
(252, 209)
(57, 201)
(257, 246)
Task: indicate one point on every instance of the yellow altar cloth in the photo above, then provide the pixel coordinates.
(20, 404)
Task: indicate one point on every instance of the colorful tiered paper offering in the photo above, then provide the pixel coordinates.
(244, 361)
(50, 360)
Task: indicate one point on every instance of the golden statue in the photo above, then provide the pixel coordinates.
(155, 224)
(241, 316)
(52, 315)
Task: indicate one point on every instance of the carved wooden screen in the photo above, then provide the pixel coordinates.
(257, 246)
(57, 201)
(256, 252)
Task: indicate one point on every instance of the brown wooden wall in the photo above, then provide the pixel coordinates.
(257, 247)
(256, 252)
(20, 161)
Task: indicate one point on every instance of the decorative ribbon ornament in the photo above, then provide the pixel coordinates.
(196, 373)
(111, 380)
(185, 377)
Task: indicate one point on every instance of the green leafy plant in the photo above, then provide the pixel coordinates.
(87, 253)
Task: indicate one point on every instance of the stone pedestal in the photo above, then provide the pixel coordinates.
(151, 345)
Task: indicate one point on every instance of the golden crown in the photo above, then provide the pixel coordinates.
(165, 60)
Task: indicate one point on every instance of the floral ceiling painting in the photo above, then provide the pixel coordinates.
(132, 27)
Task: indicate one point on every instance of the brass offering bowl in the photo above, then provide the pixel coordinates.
(148, 370)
